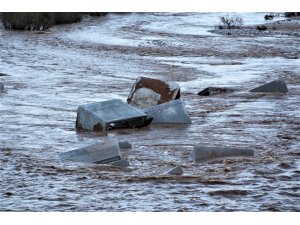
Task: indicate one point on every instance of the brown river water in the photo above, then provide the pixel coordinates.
(47, 76)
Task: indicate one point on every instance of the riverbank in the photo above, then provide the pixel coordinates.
(287, 27)
(41, 20)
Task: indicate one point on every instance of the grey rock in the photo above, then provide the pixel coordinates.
(203, 153)
(110, 115)
(274, 86)
(3, 74)
(269, 17)
(176, 171)
(147, 92)
(124, 145)
(101, 153)
(262, 27)
(120, 163)
(173, 112)
(214, 90)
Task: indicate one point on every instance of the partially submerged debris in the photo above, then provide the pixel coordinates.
(147, 92)
(269, 17)
(214, 90)
(175, 171)
(8, 193)
(203, 153)
(110, 115)
(173, 112)
(101, 153)
(120, 163)
(261, 27)
(124, 145)
(3, 74)
(274, 86)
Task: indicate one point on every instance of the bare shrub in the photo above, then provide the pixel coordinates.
(269, 16)
(230, 22)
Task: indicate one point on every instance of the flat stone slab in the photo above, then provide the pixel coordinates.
(124, 145)
(120, 163)
(214, 91)
(147, 92)
(203, 153)
(175, 171)
(100, 153)
(173, 112)
(274, 86)
(110, 115)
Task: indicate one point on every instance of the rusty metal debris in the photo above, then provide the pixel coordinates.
(147, 92)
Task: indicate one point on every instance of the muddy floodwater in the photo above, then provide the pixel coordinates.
(47, 75)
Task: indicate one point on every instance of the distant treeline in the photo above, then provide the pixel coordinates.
(41, 20)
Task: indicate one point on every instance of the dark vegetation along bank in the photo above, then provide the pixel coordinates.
(285, 24)
(41, 20)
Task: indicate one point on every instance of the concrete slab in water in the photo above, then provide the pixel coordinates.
(274, 86)
(147, 92)
(214, 90)
(104, 152)
(204, 153)
(110, 115)
(176, 171)
(173, 112)
(124, 145)
(120, 163)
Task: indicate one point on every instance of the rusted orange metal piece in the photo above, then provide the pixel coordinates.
(147, 92)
